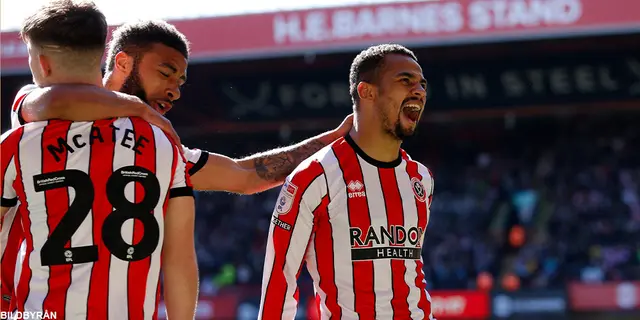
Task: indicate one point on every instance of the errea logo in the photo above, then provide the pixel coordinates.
(356, 189)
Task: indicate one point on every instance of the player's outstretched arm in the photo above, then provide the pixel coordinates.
(264, 170)
(77, 102)
(179, 264)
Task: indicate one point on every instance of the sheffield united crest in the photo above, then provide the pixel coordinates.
(418, 189)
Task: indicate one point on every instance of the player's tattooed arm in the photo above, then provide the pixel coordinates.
(275, 165)
(261, 171)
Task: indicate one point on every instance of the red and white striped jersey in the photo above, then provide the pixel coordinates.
(359, 225)
(10, 240)
(12, 236)
(93, 238)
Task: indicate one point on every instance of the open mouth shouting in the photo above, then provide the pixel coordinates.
(411, 110)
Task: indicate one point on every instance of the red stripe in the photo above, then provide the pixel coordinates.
(395, 217)
(57, 205)
(100, 169)
(18, 100)
(423, 304)
(22, 287)
(9, 150)
(323, 245)
(12, 247)
(275, 294)
(139, 270)
(10, 255)
(359, 217)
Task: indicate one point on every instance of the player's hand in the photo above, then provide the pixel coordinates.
(344, 128)
(156, 118)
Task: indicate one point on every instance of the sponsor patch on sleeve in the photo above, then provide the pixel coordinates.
(281, 224)
(285, 199)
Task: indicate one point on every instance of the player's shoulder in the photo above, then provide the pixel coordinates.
(11, 133)
(28, 128)
(318, 162)
(424, 171)
(26, 89)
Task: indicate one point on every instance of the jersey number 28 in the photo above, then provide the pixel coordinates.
(54, 252)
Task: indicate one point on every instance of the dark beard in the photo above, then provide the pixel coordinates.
(395, 130)
(133, 86)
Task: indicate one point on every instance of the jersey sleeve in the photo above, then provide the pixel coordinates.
(8, 148)
(196, 159)
(292, 221)
(427, 181)
(16, 115)
(181, 183)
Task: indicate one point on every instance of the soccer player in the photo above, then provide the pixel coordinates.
(148, 59)
(356, 211)
(102, 204)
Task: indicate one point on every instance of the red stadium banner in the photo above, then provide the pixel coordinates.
(608, 296)
(460, 304)
(416, 23)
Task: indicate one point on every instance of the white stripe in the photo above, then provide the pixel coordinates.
(22, 253)
(78, 292)
(312, 266)
(31, 164)
(340, 230)
(118, 269)
(269, 260)
(383, 284)
(410, 220)
(9, 176)
(164, 162)
(295, 255)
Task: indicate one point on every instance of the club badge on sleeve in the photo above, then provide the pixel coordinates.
(285, 199)
(418, 189)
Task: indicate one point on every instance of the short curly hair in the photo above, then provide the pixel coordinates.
(138, 37)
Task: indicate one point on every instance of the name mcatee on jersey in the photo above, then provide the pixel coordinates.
(96, 134)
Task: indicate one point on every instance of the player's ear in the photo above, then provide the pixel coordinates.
(124, 62)
(45, 65)
(366, 91)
